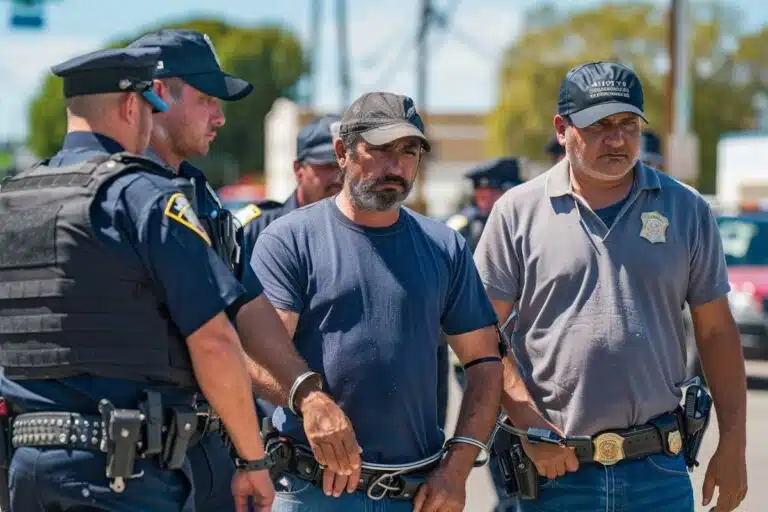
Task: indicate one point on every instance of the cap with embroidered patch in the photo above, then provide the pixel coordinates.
(596, 90)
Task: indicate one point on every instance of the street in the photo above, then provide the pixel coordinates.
(481, 496)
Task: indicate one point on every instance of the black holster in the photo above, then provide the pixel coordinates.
(520, 476)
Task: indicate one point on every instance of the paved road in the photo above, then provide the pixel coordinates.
(482, 498)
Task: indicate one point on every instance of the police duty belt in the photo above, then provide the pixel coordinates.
(148, 432)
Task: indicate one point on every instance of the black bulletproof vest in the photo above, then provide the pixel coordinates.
(68, 305)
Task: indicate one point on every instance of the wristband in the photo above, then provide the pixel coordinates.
(254, 465)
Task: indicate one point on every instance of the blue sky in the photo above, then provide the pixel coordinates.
(461, 78)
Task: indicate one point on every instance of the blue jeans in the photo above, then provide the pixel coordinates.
(657, 483)
(212, 472)
(296, 495)
(53, 480)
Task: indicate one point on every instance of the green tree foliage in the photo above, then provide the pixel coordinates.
(268, 57)
(727, 68)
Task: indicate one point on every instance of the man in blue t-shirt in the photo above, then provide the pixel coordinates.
(365, 286)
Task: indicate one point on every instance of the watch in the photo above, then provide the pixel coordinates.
(254, 465)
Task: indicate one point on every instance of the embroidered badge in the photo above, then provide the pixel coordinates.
(654, 227)
(247, 214)
(179, 210)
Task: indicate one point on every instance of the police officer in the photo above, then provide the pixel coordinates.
(650, 150)
(489, 181)
(317, 177)
(555, 150)
(193, 84)
(102, 350)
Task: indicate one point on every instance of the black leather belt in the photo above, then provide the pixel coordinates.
(661, 435)
(377, 484)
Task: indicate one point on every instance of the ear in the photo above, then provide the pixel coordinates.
(560, 126)
(341, 153)
(296, 168)
(162, 90)
(129, 107)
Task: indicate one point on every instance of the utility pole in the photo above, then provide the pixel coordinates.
(681, 154)
(315, 19)
(422, 72)
(341, 27)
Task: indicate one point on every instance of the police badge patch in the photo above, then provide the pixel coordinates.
(179, 209)
(654, 227)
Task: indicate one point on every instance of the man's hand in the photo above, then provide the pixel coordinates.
(256, 484)
(727, 470)
(444, 490)
(334, 484)
(550, 460)
(330, 434)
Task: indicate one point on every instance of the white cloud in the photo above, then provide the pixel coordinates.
(25, 60)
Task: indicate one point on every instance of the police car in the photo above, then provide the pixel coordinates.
(745, 243)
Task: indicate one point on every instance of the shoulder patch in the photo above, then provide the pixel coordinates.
(247, 214)
(179, 210)
(458, 222)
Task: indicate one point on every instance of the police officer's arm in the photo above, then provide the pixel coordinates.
(197, 288)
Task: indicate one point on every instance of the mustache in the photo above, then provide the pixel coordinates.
(391, 180)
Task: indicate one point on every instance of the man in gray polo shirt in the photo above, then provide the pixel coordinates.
(599, 256)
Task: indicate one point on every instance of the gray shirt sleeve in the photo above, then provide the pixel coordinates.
(708, 279)
(495, 255)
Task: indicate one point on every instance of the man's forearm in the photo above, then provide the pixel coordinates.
(517, 402)
(267, 342)
(265, 385)
(223, 378)
(478, 413)
(723, 362)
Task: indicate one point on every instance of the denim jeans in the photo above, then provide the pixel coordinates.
(296, 495)
(657, 483)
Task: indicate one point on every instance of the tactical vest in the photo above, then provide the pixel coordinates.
(68, 304)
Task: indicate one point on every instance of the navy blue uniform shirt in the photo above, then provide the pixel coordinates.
(128, 216)
(371, 305)
(269, 212)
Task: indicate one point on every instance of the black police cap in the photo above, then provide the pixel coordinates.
(112, 70)
(190, 55)
(500, 173)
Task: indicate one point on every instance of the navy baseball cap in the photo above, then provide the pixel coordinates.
(595, 90)
(500, 173)
(382, 117)
(190, 55)
(112, 70)
(314, 145)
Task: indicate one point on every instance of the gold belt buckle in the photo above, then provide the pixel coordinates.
(608, 448)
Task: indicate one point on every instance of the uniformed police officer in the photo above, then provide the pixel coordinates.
(103, 351)
(650, 150)
(489, 181)
(555, 150)
(317, 177)
(186, 130)
(193, 84)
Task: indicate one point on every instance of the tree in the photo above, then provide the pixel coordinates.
(554, 41)
(268, 57)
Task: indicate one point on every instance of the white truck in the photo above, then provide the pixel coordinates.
(742, 169)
